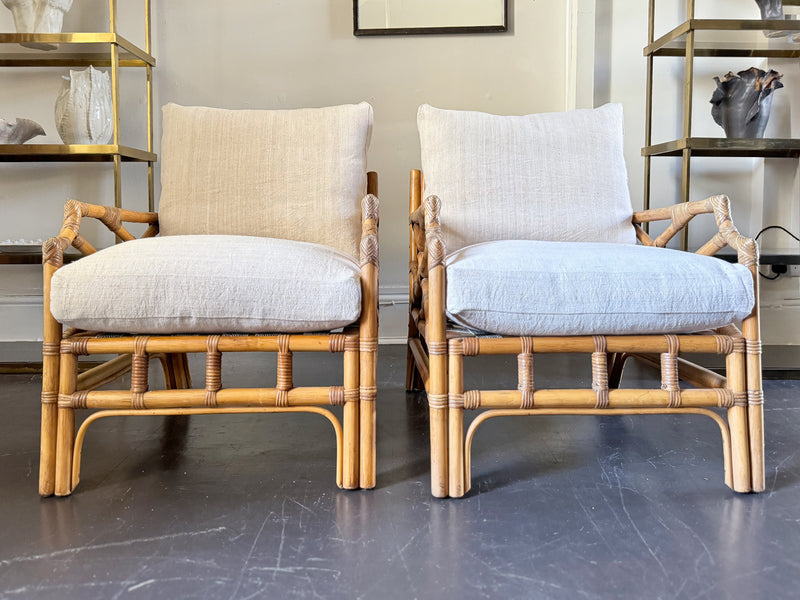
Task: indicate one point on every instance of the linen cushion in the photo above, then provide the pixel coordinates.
(208, 284)
(289, 174)
(556, 176)
(522, 287)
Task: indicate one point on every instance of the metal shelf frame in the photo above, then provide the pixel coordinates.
(682, 41)
(105, 49)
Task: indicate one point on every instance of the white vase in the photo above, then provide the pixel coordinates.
(38, 16)
(50, 16)
(24, 13)
(84, 113)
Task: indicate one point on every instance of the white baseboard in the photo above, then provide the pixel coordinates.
(393, 315)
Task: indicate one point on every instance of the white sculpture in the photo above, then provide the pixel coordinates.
(84, 114)
(38, 16)
(19, 132)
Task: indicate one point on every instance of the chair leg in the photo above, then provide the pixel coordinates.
(755, 415)
(47, 455)
(437, 402)
(740, 479)
(411, 371)
(351, 417)
(439, 483)
(455, 417)
(65, 437)
(414, 381)
(616, 364)
(368, 395)
(176, 371)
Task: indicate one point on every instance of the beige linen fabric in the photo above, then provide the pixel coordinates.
(289, 174)
(208, 284)
(553, 176)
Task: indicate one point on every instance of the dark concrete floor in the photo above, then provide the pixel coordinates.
(246, 507)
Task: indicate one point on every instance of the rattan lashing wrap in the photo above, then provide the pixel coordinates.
(525, 373)
(433, 232)
(369, 238)
(213, 370)
(140, 363)
(285, 382)
(600, 371)
(669, 371)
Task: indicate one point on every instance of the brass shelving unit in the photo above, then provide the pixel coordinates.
(696, 38)
(102, 49)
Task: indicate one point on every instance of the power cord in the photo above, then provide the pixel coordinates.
(778, 270)
(758, 235)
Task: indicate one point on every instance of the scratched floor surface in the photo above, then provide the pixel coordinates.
(246, 507)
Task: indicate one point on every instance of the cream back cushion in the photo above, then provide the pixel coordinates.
(552, 176)
(289, 174)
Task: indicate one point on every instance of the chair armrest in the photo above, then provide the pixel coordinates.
(113, 218)
(681, 214)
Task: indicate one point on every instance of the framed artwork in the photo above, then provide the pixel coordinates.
(412, 17)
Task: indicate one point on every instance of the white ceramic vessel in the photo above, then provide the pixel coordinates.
(83, 111)
(38, 16)
(19, 132)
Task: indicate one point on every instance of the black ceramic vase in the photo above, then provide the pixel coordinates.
(741, 102)
(771, 9)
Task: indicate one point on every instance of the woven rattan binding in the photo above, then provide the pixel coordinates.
(213, 370)
(669, 371)
(600, 371)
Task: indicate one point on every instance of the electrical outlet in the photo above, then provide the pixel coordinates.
(794, 270)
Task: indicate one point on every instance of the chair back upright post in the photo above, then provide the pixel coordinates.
(414, 381)
(436, 338)
(368, 334)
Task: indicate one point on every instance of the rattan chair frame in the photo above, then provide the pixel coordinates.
(64, 391)
(436, 351)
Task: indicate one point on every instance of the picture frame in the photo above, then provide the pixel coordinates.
(418, 17)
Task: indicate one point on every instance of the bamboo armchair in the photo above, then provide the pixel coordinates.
(64, 391)
(437, 346)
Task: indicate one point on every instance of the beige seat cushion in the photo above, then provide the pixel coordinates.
(208, 284)
(288, 174)
(522, 287)
(554, 176)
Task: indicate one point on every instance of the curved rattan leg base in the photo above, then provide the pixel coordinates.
(76, 453)
(490, 414)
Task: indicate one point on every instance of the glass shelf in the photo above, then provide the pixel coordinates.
(674, 43)
(72, 153)
(743, 147)
(72, 49)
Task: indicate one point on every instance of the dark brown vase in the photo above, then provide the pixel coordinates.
(771, 9)
(741, 102)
